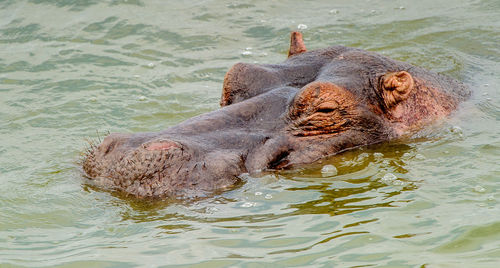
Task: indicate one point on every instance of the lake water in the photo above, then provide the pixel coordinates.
(74, 70)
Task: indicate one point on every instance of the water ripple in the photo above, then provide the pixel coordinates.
(71, 70)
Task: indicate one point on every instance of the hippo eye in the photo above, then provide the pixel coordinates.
(328, 106)
(325, 110)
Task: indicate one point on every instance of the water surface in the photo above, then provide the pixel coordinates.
(73, 70)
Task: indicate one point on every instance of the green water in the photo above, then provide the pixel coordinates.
(72, 69)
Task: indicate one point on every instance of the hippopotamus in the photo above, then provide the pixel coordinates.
(278, 116)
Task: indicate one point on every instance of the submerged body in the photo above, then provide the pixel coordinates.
(313, 105)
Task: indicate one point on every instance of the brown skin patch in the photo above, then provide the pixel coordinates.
(322, 108)
(161, 146)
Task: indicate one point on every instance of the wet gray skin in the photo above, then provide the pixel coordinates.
(313, 105)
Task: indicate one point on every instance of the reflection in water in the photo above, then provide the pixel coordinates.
(359, 181)
(359, 186)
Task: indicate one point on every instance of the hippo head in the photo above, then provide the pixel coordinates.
(313, 105)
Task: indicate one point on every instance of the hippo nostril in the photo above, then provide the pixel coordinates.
(111, 142)
(161, 146)
(107, 144)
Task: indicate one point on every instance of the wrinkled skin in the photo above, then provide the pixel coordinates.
(313, 105)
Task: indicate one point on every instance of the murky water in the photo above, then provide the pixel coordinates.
(72, 69)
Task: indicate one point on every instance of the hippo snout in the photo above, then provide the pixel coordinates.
(161, 167)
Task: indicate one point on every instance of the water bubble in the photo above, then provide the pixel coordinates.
(389, 178)
(486, 85)
(329, 170)
(401, 7)
(361, 157)
(246, 53)
(457, 130)
(419, 157)
(248, 204)
(258, 193)
(93, 99)
(491, 198)
(373, 11)
(301, 26)
(488, 99)
(378, 156)
(151, 65)
(248, 48)
(136, 76)
(397, 183)
(268, 196)
(334, 11)
(142, 98)
(212, 209)
(479, 189)
(406, 156)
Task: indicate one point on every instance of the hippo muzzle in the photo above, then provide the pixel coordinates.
(313, 105)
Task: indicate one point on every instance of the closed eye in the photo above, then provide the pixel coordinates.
(325, 110)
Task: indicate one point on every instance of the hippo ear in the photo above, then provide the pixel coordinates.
(296, 44)
(396, 87)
